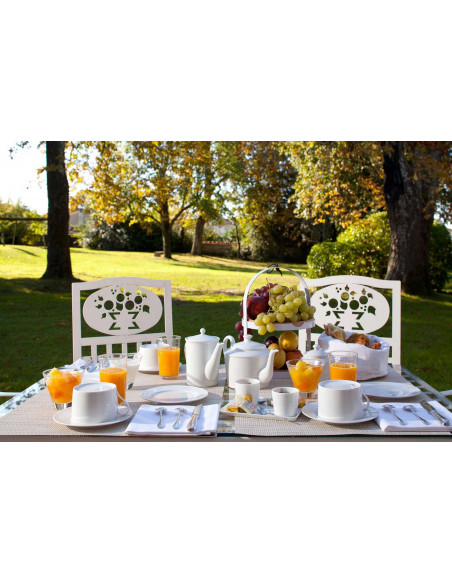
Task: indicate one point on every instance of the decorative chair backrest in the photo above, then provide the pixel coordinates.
(122, 310)
(353, 303)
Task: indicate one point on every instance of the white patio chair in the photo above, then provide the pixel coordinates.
(123, 310)
(355, 304)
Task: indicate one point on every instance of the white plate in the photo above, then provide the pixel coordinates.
(311, 411)
(63, 417)
(174, 394)
(269, 416)
(389, 390)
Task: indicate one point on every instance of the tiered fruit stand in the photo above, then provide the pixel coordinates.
(288, 326)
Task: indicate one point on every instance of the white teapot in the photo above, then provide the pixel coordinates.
(202, 356)
(249, 359)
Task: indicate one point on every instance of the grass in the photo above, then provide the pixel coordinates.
(36, 315)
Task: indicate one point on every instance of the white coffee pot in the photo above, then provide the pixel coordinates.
(202, 356)
(249, 359)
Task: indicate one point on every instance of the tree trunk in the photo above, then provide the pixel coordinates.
(410, 220)
(196, 248)
(237, 237)
(58, 253)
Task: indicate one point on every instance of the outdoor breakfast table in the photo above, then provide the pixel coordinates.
(33, 419)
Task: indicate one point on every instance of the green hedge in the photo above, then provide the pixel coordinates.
(363, 249)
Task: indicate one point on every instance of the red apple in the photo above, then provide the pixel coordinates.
(295, 354)
(255, 305)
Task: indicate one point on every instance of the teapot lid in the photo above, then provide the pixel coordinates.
(249, 345)
(316, 353)
(202, 338)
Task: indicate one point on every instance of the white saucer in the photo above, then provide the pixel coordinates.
(174, 394)
(311, 411)
(63, 417)
(389, 390)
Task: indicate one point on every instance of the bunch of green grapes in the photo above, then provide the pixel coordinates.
(286, 304)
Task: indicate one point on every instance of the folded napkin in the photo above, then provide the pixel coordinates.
(388, 422)
(146, 419)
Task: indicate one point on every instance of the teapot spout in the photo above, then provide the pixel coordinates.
(212, 368)
(266, 374)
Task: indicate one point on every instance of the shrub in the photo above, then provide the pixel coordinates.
(440, 255)
(362, 249)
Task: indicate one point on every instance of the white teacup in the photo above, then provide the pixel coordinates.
(341, 400)
(285, 401)
(149, 357)
(248, 386)
(97, 403)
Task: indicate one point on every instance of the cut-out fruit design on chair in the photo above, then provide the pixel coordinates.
(119, 310)
(351, 307)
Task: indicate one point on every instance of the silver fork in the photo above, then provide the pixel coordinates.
(391, 408)
(181, 412)
(413, 411)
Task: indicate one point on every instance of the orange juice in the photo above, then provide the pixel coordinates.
(169, 361)
(343, 371)
(61, 383)
(116, 375)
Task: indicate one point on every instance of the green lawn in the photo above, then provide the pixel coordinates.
(36, 315)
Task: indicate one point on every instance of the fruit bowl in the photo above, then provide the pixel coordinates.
(296, 300)
(307, 324)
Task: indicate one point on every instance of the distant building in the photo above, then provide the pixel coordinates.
(222, 227)
(77, 218)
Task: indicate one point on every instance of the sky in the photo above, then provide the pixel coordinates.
(19, 178)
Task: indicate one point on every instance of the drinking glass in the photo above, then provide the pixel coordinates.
(169, 356)
(113, 369)
(60, 382)
(343, 365)
(305, 375)
(133, 362)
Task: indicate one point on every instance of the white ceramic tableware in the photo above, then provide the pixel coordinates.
(174, 394)
(311, 411)
(390, 390)
(248, 386)
(249, 359)
(340, 400)
(202, 355)
(96, 403)
(285, 401)
(149, 357)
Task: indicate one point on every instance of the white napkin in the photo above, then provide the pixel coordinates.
(146, 419)
(388, 422)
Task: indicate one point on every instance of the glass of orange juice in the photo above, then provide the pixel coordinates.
(305, 375)
(343, 365)
(113, 369)
(60, 382)
(169, 356)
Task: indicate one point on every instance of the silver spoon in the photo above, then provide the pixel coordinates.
(390, 407)
(413, 411)
(181, 412)
(161, 412)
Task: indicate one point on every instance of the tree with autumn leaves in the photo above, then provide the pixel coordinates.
(344, 181)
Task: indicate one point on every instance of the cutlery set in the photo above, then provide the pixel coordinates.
(408, 408)
(180, 413)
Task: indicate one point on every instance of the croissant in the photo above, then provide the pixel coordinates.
(335, 331)
(359, 339)
(376, 346)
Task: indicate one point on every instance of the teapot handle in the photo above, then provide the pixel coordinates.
(225, 342)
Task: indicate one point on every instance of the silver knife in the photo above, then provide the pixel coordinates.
(431, 410)
(194, 419)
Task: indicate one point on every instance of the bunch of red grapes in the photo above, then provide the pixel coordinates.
(256, 303)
